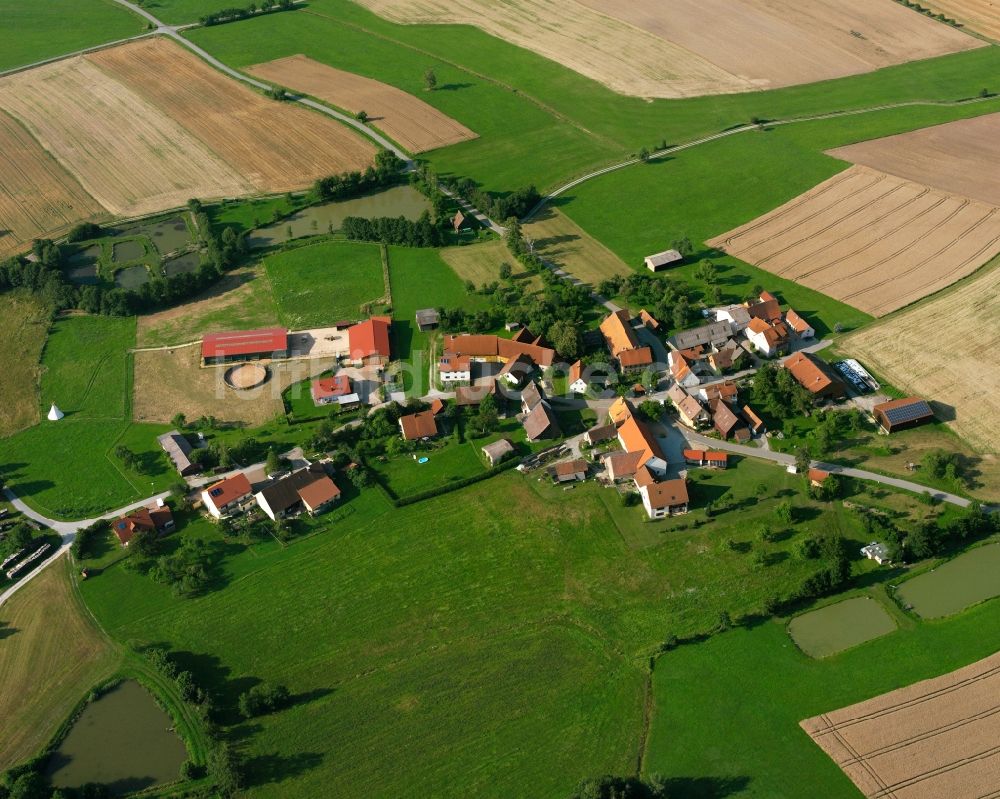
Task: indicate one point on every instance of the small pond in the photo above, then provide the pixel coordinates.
(132, 277)
(189, 262)
(127, 251)
(835, 628)
(967, 580)
(403, 201)
(85, 257)
(123, 740)
(83, 275)
(167, 235)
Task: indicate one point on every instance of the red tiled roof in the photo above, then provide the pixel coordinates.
(370, 338)
(319, 492)
(454, 363)
(766, 309)
(232, 488)
(797, 323)
(643, 356)
(571, 467)
(694, 455)
(143, 519)
(618, 333)
(437, 406)
(335, 386)
(418, 425)
(247, 342)
(667, 494)
(818, 475)
(812, 373)
(717, 457)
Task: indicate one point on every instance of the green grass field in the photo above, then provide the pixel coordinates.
(538, 121)
(320, 284)
(727, 710)
(34, 31)
(405, 476)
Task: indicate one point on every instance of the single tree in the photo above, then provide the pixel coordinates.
(430, 80)
(362, 117)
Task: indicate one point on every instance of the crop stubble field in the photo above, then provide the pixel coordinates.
(24, 323)
(562, 242)
(144, 127)
(700, 47)
(410, 121)
(982, 16)
(872, 240)
(932, 739)
(942, 350)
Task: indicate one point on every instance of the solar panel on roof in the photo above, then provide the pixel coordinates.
(908, 413)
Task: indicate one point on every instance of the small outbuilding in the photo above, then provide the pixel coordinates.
(901, 414)
(569, 471)
(428, 319)
(497, 451)
(877, 552)
(663, 260)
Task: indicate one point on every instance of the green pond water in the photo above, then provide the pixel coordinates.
(123, 740)
(189, 262)
(131, 277)
(402, 201)
(835, 628)
(967, 580)
(127, 251)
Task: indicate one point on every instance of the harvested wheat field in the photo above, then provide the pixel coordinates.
(981, 16)
(687, 48)
(944, 349)
(959, 157)
(172, 381)
(131, 157)
(411, 122)
(52, 654)
(934, 739)
(38, 198)
(563, 243)
(274, 146)
(24, 325)
(869, 239)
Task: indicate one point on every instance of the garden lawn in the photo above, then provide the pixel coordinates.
(52, 654)
(405, 476)
(727, 711)
(245, 215)
(35, 30)
(421, 279)
(320, 284)
(24, 324)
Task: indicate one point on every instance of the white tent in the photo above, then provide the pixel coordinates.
(54, 413)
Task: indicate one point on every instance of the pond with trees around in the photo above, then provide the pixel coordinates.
(123, 740)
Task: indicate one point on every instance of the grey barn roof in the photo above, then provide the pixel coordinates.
(713, 333)
(178, 449)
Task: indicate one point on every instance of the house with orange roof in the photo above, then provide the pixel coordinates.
(691, 412)
(575, 379)
(334, 390)
(422, 424)
(815, 375)
(801, 327)
(226, 497)
(667, 498)
(768, 338)
(455, 368)
(680, 369)
(368, 342)
(622, 343)
(156, 519)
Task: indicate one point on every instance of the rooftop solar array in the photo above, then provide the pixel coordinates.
(900, 414)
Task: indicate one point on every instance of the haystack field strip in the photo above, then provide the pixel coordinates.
(981, 16)
(274, 146)
(410, 121)
(869, 239)
(687, 48)
(959, 157)
(37, 195)
(944, 349)
(54, 654)
(786, 42)
(559, 240)
(937, 738)
(131, 157)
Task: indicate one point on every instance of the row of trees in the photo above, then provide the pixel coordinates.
(395, 230)
(235, 14)
(384, 172)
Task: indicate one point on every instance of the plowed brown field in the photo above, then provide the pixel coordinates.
(872, 240)
(943, 349)
(275, 146)
(37, 196)
(410, 121)
(959, 157)
(128, 155)
(934, 739)
(981, 16)
(684, 48)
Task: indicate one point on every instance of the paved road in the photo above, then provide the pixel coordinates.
(66, 530)
(833, 468)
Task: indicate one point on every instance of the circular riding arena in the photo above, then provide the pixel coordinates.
(247, 376)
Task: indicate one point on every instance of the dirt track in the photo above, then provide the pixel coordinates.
(407, 119)
(944, 350)
(693, 47)
(934, 739)
(872, 240)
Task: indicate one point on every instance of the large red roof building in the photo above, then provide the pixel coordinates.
(244, 345)
(369, 341)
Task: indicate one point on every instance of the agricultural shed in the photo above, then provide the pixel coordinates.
(427, 319)
(901, 414)
(178, 450)
(662, 260)
(218, 348)
(497, 451)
